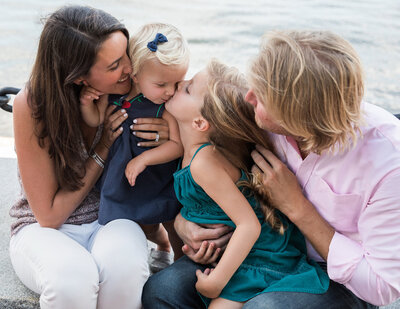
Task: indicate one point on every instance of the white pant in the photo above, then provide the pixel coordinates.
(83, 266)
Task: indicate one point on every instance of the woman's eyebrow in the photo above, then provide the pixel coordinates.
(116, 61)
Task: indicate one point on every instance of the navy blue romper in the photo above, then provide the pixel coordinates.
(152, 199)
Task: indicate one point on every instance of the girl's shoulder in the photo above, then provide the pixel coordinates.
(210, 162)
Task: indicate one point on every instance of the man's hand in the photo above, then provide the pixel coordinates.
(203, 243)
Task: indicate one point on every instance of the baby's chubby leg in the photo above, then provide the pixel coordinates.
(174, 239)
(221, 303)
(157, 234)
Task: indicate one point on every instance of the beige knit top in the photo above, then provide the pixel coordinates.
(85, 213)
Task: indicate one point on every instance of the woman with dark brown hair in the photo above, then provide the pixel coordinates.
(57, 248)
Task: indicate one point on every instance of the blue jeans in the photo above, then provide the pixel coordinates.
(174, 287)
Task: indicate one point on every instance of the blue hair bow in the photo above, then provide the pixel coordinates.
(160, 38)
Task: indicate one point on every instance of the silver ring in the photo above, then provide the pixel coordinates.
(157, 137)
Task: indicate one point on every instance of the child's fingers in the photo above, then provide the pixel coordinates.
(187, 250)
(199, 274)
(209, 252)
(128, 176)
(89, 97)
(198, 256)
(202, 250)
(214, 256)
(93, 91)
(89, 93)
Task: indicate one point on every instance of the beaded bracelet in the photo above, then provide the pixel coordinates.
(98, 159)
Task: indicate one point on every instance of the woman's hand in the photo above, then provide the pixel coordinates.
(158, 126)
(112, 125)
(280, 184)
(203, 244)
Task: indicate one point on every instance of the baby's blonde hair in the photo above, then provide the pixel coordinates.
(312, 83)
(173, 52)
(234, 131)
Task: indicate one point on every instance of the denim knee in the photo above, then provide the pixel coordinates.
(173, 287)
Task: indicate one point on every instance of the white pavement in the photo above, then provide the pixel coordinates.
(13, 294)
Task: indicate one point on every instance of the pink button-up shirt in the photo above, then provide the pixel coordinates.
(358, 193)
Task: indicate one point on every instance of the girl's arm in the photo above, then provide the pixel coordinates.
(93, 112)
(51, 204)
(170, 150)
(209, 173)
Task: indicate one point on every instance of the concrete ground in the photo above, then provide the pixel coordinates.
(13, 294)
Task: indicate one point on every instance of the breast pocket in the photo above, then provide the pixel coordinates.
(342, 211)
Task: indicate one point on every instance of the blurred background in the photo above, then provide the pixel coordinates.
(228, 30)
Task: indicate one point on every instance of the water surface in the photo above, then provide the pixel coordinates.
(228, 30)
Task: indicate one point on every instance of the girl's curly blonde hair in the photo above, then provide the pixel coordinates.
(234, 131)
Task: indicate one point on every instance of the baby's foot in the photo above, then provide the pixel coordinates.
(158, 260)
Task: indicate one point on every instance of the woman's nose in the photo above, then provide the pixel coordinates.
(127, 65)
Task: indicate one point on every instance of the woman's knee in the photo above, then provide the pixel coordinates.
(71, 286)
(120, 251)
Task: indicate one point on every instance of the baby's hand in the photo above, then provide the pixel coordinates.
(206, 285)
(133, 169)
(88, 95)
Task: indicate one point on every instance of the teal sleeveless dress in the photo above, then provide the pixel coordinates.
(275, 263)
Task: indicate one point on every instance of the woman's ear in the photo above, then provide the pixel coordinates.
(80, 81)
(200, 124)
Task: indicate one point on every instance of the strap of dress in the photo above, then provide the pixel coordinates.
(198, 149)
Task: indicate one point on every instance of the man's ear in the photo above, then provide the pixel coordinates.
(80, 81)
(200, 124)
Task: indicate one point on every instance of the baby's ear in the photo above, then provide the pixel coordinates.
(200, 124)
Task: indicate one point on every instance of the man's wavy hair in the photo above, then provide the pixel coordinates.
(312, 83)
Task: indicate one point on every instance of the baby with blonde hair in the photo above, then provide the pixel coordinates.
(137, 181)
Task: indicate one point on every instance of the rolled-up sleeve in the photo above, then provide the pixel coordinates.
(370, 266)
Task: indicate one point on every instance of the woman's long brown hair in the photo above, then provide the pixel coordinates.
(68, 46)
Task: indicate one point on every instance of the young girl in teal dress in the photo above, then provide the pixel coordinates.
(266, 251)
